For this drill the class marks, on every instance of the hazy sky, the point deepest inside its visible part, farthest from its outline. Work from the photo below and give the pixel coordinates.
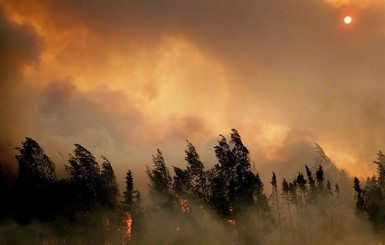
(126, 77)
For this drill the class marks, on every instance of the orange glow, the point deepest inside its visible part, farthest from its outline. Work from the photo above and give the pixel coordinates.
(128, 224)
(348, 18)
(184, 206)
(231, 221)
(235, 232)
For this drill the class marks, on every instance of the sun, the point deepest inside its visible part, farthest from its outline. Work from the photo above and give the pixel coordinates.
(348, 20)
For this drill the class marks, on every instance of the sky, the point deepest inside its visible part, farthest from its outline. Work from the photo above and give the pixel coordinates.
(125, 77)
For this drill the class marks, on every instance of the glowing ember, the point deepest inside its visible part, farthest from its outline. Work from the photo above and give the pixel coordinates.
(184, 206)
(177, 229)
(235, 234)
(231, 221)
(128, 224)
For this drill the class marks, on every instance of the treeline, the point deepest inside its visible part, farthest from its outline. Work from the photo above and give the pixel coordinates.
(226, 204)
(370, 199)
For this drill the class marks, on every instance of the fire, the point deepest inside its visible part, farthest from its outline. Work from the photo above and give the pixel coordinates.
(128, 223)
(184, 206)
(231, 222)
(235, 234)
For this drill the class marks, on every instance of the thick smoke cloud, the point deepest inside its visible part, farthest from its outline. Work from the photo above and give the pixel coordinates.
(127, 77)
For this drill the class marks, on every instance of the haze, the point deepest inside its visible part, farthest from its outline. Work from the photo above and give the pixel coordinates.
(124, 78)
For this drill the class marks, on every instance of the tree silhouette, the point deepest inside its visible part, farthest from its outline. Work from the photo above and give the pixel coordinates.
(132, 207)
(35, 177)
(380, 169)
(182, 185)
(312, 186)
(84, 173)
(160, 185)
(375, 203)
(286, 196)
(360, 201)
(35, 167)
(320, 179)
(275, 197)
(109, 191)
(197, 174)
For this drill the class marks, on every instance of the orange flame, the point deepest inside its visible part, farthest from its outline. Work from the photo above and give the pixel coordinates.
(235, 234)
(184, 206)
(128, 224)
(231, 222)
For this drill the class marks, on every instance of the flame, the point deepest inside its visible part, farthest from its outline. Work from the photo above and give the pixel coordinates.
(178, 229)
(128, 224)
(235, 234)
(184, 206)
(231, 222)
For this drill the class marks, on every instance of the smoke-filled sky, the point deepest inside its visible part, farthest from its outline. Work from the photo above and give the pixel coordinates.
(126, 77)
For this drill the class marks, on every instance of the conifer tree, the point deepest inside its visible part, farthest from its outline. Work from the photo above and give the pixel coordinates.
(276, 200)
(35, 167)
(84, 173)
(312, 186)
(320, 179)
(129, 193)
(301, 182)
(286, 196)
(359, 195)
(245, 182)
(222, 179)
(375, 203)
(182, 185)
(34, 182)
(381, 169)
(160, 185)
(109, 191)
(195, 170)
(132, 208)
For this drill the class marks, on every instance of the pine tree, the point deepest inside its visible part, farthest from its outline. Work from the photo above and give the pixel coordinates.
(375, 203)
(359, 195)
(301, 182)
(85, 176)
(218, 196)
(132, 209)
(35, 167)
(276, 201)
(261, 202)
(36, 176)
(312, 186)
(286, 196)
(320, 179)
(160, 185)
(129, 194)
(109, 191)
(381, 169)
(222, 179)
(244, 181)
(182, 185)
(195, 170)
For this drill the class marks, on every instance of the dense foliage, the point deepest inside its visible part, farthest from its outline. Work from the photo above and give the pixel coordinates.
(226, 204)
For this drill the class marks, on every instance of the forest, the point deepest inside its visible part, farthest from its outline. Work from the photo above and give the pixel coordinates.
(226, 204)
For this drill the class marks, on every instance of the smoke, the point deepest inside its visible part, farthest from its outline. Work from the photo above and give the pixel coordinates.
(131, 77)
